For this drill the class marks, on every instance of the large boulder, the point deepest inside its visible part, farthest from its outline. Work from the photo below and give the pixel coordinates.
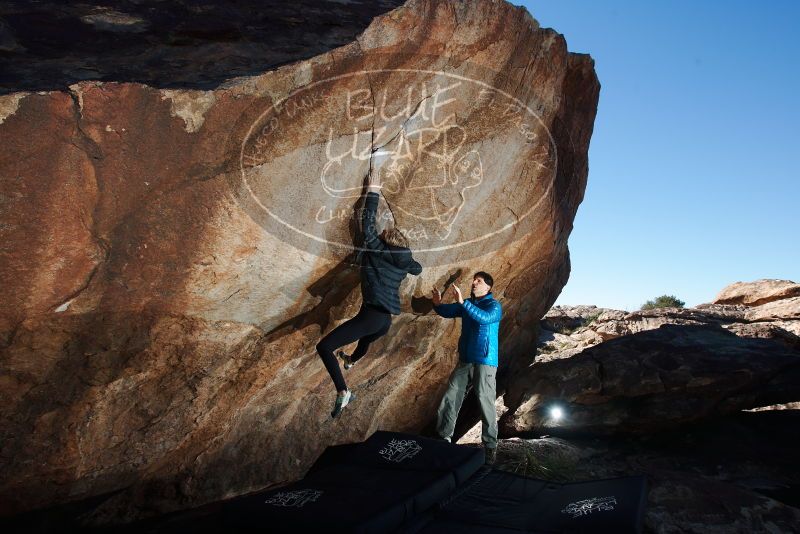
(171, 255)
(610, 326)
(757, 292)
(51, 44)
(651, 380)
(776, 310)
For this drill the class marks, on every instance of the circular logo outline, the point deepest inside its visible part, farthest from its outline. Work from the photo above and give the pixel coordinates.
(351, 247)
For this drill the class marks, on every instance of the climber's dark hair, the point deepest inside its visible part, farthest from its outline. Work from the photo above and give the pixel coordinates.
(486, 278)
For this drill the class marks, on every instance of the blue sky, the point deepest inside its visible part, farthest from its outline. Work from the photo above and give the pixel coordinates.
(693, 164)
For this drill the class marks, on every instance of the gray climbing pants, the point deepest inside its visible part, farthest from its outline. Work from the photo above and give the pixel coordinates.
(483, 381)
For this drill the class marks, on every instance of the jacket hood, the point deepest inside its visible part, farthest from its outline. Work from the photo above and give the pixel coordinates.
(401, 256)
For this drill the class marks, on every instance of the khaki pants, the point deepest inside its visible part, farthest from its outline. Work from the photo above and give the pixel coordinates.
(483, 380)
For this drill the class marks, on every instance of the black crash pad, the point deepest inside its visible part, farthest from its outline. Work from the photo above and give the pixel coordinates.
(395, 482)
(406, 452)
(503, 502)
(374, 486)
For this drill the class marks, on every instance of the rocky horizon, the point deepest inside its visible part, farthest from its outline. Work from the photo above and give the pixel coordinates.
(767, 308)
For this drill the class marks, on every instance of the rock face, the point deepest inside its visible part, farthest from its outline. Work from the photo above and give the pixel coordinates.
(758, 292)
(652, 380)
(171, 256)
(561, 318)
(50, 45)
(641, 371)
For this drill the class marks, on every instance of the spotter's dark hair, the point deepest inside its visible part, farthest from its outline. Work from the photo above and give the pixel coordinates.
(486, 277)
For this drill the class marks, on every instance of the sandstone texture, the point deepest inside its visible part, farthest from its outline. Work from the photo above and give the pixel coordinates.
(757, 292)
(651, 380)
(172, 249)
(49, 45)
(638, 372)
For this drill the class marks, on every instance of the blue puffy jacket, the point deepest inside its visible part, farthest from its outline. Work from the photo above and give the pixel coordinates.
(480, 325)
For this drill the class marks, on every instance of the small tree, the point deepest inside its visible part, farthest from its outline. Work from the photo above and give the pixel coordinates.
(664, 301)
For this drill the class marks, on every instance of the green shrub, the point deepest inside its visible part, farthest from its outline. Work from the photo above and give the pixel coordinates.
(664, 301)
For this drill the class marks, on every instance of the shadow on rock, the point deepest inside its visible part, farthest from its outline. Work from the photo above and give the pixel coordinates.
(50, 45)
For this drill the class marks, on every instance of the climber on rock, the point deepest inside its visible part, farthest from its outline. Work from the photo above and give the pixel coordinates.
(477, 349)
(385, 261)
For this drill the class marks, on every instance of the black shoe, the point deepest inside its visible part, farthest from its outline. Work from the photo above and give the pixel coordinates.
(348, 363)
